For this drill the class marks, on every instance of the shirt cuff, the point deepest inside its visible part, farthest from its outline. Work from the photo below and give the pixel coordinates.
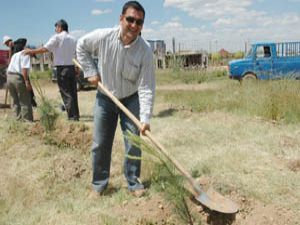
(145, 119)
(90, 73)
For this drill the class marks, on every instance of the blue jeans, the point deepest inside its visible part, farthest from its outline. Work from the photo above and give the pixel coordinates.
(106, 115)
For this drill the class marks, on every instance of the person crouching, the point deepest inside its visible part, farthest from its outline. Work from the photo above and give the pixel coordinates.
(19, 86)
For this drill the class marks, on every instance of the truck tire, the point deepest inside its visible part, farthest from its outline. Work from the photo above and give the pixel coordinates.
(249, 76)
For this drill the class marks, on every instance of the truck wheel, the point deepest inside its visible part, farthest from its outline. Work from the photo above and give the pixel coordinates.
(249, 76)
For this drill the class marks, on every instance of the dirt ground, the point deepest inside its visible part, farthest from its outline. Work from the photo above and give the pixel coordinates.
(153, 207)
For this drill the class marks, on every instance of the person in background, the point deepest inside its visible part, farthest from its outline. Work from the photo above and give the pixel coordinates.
(18, 84)
(16, 46)
(125, 62)
(63, 47)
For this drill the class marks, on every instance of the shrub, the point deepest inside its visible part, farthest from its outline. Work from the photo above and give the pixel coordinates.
(48, 114)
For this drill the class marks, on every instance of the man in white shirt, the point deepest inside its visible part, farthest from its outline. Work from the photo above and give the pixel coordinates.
(125, 63)
(63, 47)
(19, 86)
(16, 46)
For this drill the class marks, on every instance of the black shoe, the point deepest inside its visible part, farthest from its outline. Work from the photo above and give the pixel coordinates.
(62, 107)
(33, 103)
(73, 119)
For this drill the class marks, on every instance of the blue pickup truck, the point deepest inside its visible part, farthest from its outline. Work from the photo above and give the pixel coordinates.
(266, 61)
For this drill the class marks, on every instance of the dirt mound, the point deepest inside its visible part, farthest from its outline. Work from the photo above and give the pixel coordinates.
(73, 135)
(254, 212)
(35, 129)
(294, 165)
(66, 168)
(151, 210)
(288, 142)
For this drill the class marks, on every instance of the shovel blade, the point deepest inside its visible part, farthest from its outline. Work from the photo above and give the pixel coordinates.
(216, 202)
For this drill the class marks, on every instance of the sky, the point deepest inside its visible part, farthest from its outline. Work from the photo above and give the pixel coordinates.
(194, 24)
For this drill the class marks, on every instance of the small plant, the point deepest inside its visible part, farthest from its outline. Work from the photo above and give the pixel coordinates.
(46, 110)
(177, 64)
(38, 75)
(169, 181)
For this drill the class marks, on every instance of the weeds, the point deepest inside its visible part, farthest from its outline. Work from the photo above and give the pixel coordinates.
(272, 100)
(167, 179)
(179, 75)
(16, 127)
(46, 110)
(37, 75)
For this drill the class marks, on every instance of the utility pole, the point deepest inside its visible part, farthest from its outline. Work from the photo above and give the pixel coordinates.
(42, 61)
(173, 45)
(174, 57)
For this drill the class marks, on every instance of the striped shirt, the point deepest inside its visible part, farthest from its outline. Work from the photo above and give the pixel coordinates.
(124, 69)
(63, 47)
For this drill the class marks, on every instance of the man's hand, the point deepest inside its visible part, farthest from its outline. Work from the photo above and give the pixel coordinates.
(27, 51)
(94, 80)
(145, 127)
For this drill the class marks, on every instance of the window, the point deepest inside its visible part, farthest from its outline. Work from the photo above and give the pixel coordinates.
(263, 51)
(267, 51)
(259, 52)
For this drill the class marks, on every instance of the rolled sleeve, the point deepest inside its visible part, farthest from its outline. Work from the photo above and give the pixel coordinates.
(146, 88)
(87, 47)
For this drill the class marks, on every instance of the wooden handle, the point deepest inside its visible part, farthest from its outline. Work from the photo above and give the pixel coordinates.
(197, 189)
(151, 138)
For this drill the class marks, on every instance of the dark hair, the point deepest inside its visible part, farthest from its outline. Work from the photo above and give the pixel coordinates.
(133, 4)
(63, 24)
(19, 45)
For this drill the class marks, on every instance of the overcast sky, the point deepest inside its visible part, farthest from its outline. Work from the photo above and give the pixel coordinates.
(195, 24)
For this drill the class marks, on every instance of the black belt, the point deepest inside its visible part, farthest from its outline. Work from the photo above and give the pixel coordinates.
(14, 73)
(64, 66)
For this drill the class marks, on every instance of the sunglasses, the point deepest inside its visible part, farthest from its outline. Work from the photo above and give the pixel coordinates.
(131, 19)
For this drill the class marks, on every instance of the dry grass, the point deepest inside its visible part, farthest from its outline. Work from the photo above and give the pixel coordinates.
(247, 154)
(249, 159)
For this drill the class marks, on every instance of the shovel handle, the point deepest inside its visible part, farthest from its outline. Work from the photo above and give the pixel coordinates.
(196, 187)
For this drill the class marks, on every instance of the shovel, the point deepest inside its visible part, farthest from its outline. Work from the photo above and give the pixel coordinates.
(211, 199)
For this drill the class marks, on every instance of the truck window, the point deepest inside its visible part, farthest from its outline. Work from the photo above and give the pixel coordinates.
(249, 53)
(263, 52)
(267, 51)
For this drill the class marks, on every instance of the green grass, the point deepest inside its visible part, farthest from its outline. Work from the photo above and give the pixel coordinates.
(37, 75)
(188, 76)
(271, 100)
